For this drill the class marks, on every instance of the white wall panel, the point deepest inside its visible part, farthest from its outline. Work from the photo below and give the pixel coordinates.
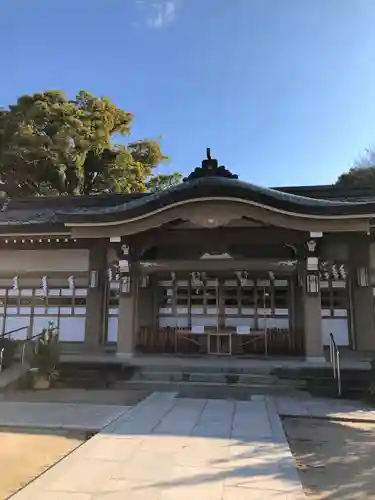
(339, 329)
(273, 323)
(14, 322)
(197, 310)
(233, 322)
(112, 329)
(212, 310)
(72, 329)
(203, 321)
(173, 322)
(250, 311)
(41, 322)
(231, 310)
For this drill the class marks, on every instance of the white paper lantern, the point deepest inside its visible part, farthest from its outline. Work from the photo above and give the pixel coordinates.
(15, 283)
(71, 282)
(44, 285)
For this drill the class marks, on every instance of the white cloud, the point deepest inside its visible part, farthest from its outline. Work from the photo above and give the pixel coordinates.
(158, 13)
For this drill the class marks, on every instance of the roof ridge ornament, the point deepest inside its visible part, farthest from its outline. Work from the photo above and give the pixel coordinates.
(210, 168)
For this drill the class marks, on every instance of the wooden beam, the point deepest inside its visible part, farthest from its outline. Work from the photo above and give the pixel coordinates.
(218, 235)
(149, 267)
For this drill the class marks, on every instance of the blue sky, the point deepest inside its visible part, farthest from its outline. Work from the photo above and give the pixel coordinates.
(283, 91)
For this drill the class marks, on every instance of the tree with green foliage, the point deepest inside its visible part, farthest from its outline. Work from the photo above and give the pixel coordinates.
(52, 145)
(159, 182)
(362, 174)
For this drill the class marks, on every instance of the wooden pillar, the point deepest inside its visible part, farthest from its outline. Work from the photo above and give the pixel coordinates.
(311, 302)
(362, 297)
(296, 314)
(128, 319)
(95, 305)
(145, 306)
(312, 323)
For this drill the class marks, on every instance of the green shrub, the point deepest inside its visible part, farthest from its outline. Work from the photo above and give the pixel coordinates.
(46, 352)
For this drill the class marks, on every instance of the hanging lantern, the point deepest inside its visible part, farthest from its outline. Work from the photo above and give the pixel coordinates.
(117, 272)
(15, 283)
(335, 272)
(71, 282)
(342, 271)
(362, 276)
(94, 278)
(44, 285)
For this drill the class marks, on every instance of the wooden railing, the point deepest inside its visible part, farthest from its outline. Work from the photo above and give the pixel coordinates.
(283, 342)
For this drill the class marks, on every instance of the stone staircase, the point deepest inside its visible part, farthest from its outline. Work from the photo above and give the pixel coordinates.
(319, 381)
(211, 381)
(198, 381)
(91, 375)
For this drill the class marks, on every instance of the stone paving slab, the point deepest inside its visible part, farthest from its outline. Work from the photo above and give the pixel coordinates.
(58, 415)
(169, 448)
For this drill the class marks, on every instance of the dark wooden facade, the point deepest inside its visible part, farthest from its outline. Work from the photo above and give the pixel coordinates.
(144, 272)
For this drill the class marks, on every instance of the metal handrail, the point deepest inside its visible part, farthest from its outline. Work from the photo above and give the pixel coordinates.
(6, 334)
(26, 342)
(13, 331)
(334, 356)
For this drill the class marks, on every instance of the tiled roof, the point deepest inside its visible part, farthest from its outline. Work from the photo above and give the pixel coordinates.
(220, 188)
(46, 210)
(331, 192)
(41, 211)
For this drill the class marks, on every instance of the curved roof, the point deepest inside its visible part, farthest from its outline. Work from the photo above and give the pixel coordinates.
(216, 188)
(45, 214)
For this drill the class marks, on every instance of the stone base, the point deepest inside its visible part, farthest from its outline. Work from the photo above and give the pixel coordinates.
(319, 360)
(92, 348)
(125, 355)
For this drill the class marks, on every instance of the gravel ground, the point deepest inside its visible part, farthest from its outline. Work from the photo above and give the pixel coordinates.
(336, 460)
(26, 454)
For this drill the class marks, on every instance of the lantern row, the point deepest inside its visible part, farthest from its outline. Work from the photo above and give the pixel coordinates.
(44, 284)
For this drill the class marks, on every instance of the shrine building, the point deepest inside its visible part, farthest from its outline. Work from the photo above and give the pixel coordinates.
(212, 266)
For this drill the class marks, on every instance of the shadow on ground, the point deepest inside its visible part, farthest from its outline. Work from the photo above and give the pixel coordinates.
(336, 460)
(77, 396)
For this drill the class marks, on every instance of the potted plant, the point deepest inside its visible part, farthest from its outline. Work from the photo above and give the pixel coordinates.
(45, 357)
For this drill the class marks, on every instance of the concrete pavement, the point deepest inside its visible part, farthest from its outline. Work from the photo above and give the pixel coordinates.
(170, 448)
(84, 417)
